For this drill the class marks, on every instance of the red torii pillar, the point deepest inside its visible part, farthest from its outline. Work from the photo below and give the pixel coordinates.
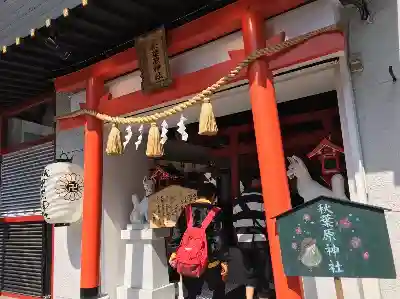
(269, 148)
(92, 194)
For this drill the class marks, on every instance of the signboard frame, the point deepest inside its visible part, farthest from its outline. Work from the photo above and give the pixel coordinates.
(153, 59)
(329, 237)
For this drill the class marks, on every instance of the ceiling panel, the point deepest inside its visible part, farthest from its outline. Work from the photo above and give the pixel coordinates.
(87, 35)
(17, 17)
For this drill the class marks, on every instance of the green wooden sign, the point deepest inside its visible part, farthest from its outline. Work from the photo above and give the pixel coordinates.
(328, 237)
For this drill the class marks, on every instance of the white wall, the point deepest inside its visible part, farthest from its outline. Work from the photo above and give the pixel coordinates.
(304, 19)
(378, 108)
(122, 176)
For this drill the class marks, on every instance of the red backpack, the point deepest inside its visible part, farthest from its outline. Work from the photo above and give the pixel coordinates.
(192, 253)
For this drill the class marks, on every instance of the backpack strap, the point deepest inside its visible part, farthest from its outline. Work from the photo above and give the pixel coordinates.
(210, 217)
(189, 216)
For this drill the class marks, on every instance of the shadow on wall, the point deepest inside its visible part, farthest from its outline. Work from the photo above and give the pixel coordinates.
(377, 105)
(74, 149)
(67, 240)
(122, 177)
(74, 236)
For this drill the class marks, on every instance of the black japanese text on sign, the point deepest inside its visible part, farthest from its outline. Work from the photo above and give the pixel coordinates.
(155, 55)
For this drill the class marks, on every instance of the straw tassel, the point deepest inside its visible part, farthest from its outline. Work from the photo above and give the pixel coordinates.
(114, 142)
(207, 122)
(154, 147)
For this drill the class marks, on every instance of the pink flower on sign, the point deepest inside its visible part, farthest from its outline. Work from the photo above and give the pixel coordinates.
(345, 223)
(355, 242)
(306, 217)
(366, 255)
(298, 230)
(294, 245)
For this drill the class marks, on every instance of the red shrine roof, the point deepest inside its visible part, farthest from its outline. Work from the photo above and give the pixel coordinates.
(325, 143)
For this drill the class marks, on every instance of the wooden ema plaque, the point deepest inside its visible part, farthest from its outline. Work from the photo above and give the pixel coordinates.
(166, 205)
(328, 237)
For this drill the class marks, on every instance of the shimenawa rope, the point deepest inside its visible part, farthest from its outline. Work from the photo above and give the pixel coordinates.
(208, 92)
(207, 123)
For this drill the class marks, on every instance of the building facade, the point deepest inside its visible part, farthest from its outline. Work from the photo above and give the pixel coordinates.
(298, 85)
(27, 145)
(377, 45)
(322, 76)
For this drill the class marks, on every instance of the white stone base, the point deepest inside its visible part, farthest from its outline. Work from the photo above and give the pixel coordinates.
(101, 296)
(165, 292)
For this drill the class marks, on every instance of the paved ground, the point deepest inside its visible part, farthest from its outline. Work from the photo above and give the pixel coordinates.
(235, 277)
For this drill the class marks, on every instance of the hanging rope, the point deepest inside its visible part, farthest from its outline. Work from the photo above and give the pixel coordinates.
(208, 92)
(207, 120)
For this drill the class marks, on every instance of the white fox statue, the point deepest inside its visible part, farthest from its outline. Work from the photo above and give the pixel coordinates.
(310, 189)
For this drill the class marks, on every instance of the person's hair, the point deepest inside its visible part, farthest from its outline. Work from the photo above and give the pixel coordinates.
(206, 190)
(249, 176)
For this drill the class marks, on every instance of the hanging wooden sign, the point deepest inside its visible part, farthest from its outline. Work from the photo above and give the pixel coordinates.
(329, 237)
(166, 205)
(153, 60)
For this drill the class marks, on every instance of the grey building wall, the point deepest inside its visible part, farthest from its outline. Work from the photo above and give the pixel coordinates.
(378, 110)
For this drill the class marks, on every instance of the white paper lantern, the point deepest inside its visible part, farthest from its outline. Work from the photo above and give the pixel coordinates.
(61, 192)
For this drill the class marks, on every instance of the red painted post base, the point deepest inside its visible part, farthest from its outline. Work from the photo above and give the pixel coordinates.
(270, 150)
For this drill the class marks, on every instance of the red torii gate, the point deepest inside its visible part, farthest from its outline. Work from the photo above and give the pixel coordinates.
(247, 15)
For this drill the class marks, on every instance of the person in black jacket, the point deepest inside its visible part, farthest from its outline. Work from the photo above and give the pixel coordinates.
(211, 283)
(252, 240)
